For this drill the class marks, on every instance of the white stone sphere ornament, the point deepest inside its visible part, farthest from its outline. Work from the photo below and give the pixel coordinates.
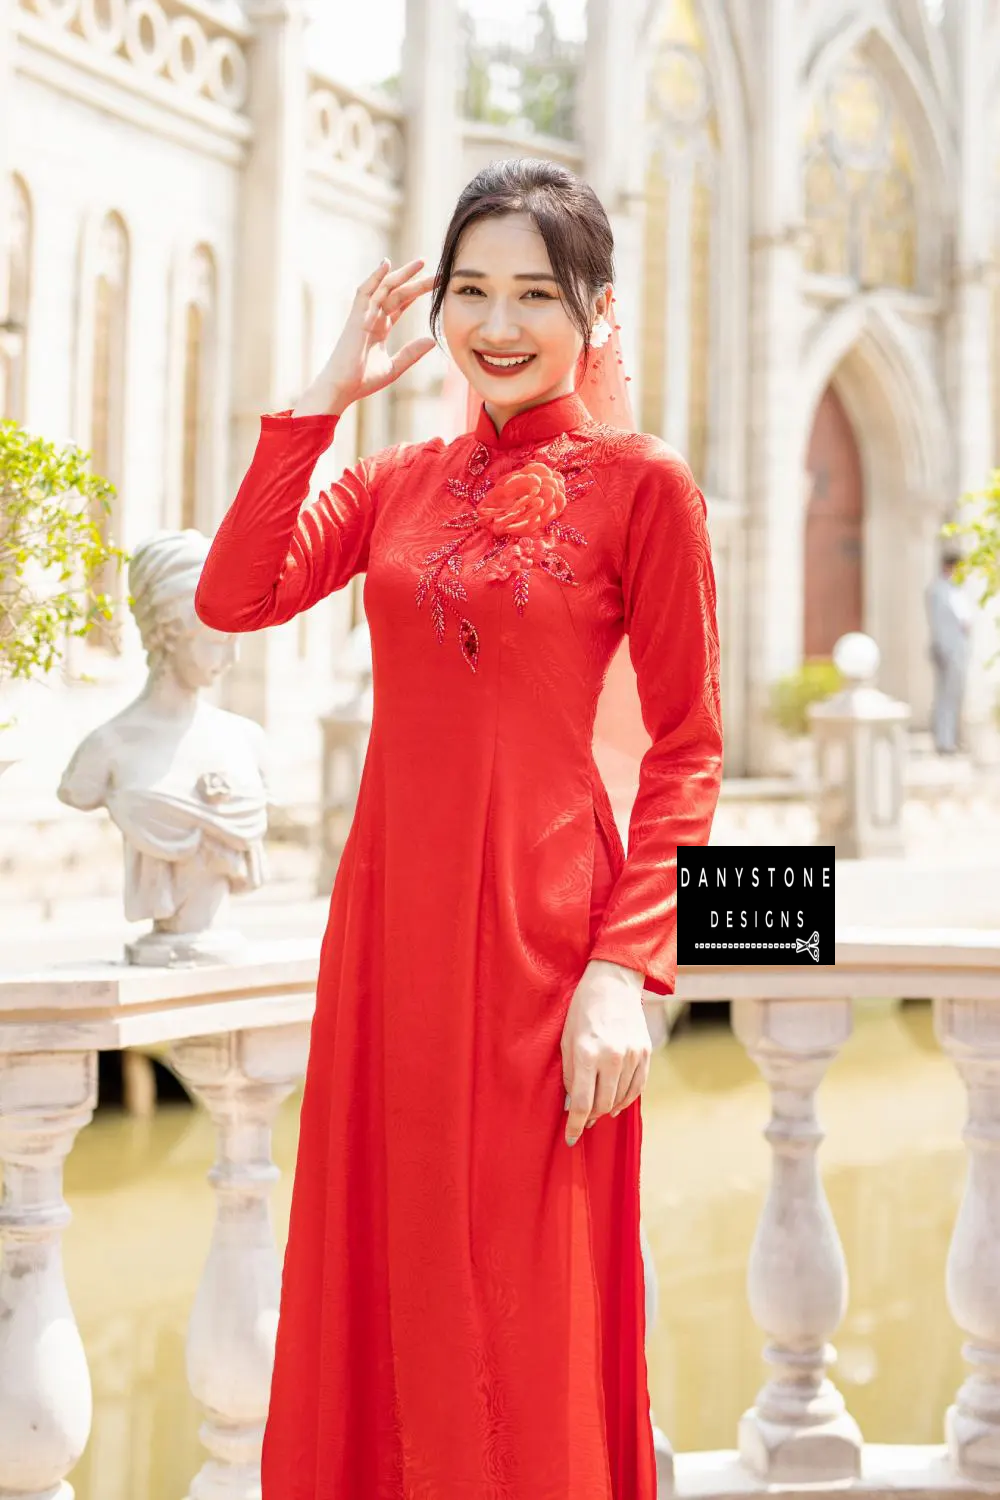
(857, 657)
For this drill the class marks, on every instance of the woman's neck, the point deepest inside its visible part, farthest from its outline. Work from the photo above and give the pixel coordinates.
(501, 415)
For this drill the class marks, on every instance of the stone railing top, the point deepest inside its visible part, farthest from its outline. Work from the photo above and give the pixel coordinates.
(106, 1005)
(109, 1005)
(961, 963)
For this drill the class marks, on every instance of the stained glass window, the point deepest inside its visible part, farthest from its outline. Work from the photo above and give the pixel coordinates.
(859, 183)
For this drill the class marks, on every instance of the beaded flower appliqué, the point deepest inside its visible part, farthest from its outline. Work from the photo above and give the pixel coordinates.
(522, 519)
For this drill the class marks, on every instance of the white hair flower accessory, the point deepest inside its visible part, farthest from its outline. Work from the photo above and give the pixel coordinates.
(600, 333)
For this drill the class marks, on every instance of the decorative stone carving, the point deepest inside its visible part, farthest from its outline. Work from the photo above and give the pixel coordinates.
(241, 1079)
(346, 132)
(45, 1394)
(182, 779)
(969, 1031)
(798, 1430)
(202, 60)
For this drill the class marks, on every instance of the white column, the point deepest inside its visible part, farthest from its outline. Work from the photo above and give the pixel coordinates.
(798, 1430)
(267, 355)
(433, 180)
(969, 1031)
(241, 1078)
(45, 1396)
(968, 335)
(774, 488)
(8, 10)
(610, 123)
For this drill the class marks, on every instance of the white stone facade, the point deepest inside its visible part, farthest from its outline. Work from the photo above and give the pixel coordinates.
(804, 194)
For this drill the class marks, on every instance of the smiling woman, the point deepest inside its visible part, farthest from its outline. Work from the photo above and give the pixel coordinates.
(462, 1308)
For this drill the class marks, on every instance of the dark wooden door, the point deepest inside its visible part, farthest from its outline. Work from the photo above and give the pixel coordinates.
(833, 560)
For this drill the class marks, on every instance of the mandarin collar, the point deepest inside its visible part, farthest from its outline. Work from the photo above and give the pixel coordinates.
(534, 425)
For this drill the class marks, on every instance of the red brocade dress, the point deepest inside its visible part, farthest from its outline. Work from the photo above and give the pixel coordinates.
(462, 1310)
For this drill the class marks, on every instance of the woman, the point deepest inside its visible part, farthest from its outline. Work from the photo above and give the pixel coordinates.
(462, 1303)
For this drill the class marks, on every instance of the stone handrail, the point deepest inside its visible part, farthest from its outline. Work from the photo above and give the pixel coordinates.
(238, 1037)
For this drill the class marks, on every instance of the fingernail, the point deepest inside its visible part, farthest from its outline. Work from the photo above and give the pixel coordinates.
(615, 1113)
(571, 1140)
(566, 1105)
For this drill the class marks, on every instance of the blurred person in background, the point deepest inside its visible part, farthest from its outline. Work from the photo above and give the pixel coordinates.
(949, 612)
(462, 1301)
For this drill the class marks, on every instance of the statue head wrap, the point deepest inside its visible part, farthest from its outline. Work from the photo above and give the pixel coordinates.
(163, 575)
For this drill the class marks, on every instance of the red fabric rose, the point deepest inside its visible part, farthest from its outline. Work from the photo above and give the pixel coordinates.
(524, 502)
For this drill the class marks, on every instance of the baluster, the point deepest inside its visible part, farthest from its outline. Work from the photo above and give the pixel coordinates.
(45, 1397)
(799, 1429)
(969, 1031)
(242, 1079)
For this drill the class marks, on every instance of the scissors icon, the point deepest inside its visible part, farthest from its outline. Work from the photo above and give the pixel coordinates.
(809, 945)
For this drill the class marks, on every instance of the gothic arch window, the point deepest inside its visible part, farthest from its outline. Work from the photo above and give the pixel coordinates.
(859, 182)
(199, 332)
(107, 386)
(680, 235)
(16, 307)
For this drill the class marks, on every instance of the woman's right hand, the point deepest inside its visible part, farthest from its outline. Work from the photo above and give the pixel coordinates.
(360, 362)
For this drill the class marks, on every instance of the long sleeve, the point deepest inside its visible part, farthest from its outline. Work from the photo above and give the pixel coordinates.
(270, 558)
(669, 593)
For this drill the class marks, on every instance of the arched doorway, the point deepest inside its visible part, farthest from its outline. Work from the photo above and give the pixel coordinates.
(833, 576)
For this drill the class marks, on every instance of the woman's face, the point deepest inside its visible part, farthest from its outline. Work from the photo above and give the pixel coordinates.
(503, 304)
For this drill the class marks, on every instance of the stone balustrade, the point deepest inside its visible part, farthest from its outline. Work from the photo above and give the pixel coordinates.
(197, 49)
(238, 1037)
(352, 135)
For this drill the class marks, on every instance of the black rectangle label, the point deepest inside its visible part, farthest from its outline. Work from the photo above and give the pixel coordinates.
(755, 905)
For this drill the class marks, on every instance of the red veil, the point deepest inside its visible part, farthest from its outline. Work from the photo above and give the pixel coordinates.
(620, 738)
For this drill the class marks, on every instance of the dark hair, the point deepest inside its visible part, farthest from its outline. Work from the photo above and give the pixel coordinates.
(570, 218)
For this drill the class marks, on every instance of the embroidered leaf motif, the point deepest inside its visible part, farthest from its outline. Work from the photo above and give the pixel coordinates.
(423, 587)
(439, 552)
(437, 617)
(556, 564)
(467, 519)
(521, 581)
(566, 533)
(455, 562)
(453, 588)
(490, 554)
(468, 640)
(473, 493)
(478, 459)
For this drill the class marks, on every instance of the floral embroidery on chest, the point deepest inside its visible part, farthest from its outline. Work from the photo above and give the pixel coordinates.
(521, 523)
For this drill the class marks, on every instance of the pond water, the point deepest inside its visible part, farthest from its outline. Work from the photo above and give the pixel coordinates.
(892, 1107)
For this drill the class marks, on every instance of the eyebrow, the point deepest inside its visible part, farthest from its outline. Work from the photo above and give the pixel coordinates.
(520, 275)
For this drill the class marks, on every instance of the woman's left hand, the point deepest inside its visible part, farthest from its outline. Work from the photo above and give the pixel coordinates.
(605, 1045)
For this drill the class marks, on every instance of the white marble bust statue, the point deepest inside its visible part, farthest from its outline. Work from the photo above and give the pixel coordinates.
(182, 779)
